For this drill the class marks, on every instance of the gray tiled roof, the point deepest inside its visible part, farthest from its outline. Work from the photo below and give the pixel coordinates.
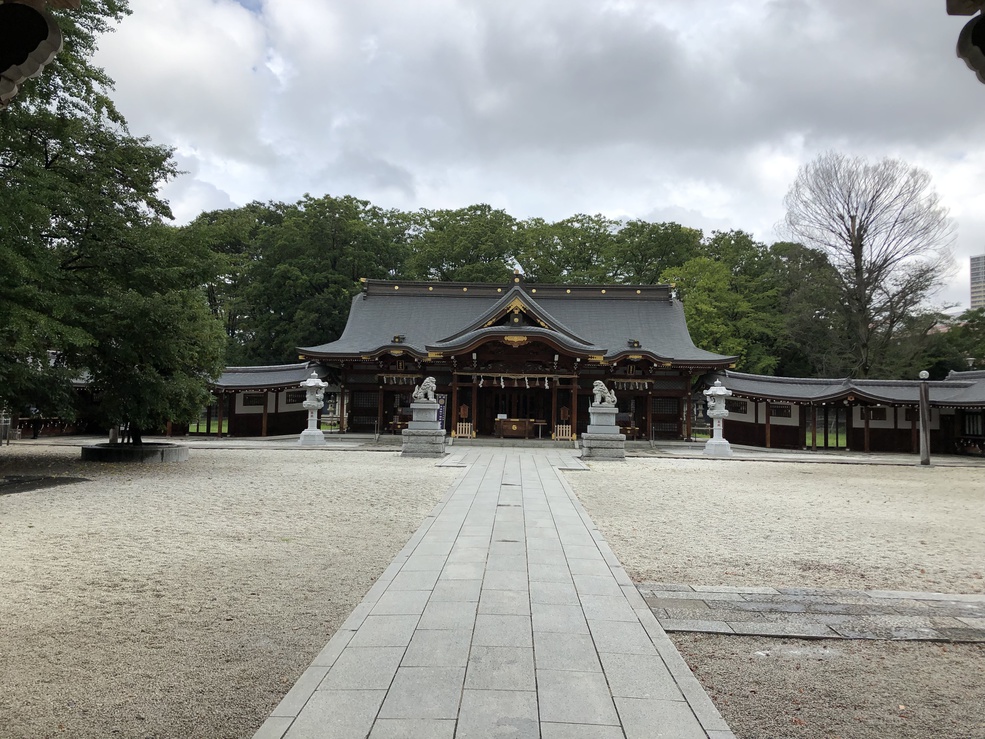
(959, 389)
(268, 377)
(589, 320)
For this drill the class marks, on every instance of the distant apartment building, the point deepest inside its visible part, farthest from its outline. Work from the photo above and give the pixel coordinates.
(978, 282)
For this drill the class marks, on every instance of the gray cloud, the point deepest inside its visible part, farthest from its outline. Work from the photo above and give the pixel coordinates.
(703, 109)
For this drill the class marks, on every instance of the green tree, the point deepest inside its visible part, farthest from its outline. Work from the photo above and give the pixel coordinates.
(80, 203)
(576, 250)
(472, 244)
(299, 281)
(641, 251)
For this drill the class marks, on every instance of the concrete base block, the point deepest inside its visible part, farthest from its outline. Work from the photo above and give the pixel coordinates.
(423, 443)
(603, 446)
(312, 437)
(718, 448)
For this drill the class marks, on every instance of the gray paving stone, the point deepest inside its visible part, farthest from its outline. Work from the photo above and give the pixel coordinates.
(595, 585)
(639, 676)
(505, 581)
(467, 554)
(363, 668)
(488, 714)
(553, 592)
(401, 602)
(433, 547)
(445, 648)
(673, 604)
(274, 727)
(656, 719)
(506, 563)
(773, 629)
(549, 573)
(579, 731)
(545, 540)
(385, 631)
(462, 571)
(292, 703)
(448, 615)
(697, 625)
(547, 557)
(331, 651)
(562, 619)
(423, 580)
(571, 652)
(423, 562)
(500, 668)
(502, 631)
(505, 602)
(607, 608)
(409, 728)
(456, 590)
(337, 714)
(742, 589)
(710, 598)
(589, 567)
(649, 587)
(575, 697)
(975, 623)
(424, 692)
(621, 637)
(507, 549)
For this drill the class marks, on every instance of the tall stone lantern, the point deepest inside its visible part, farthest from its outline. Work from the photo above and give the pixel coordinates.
(717, 446)
(315, 395)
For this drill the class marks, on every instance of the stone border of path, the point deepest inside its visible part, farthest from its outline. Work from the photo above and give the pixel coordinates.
(813, 613)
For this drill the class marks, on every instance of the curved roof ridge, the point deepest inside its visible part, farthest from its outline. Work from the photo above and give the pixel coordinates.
(502, 305)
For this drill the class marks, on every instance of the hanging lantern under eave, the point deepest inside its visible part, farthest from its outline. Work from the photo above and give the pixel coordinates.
(29, 40)
(971, 46)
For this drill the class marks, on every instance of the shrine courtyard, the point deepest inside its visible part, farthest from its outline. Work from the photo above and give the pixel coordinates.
(187, 600)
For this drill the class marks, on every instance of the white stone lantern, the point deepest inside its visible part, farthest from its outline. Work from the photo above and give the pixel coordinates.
(314, 396)
(717, 446)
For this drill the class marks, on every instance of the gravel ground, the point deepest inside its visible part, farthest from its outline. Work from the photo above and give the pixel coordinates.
(703, 522)
(184, 600)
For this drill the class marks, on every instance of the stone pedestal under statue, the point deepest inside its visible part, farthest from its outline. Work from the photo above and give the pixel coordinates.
(603, 440)
(423, 436)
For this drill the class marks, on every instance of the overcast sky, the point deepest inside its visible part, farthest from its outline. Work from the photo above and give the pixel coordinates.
(695, 111)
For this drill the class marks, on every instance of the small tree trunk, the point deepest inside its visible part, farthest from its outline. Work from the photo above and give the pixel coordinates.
(135, 437)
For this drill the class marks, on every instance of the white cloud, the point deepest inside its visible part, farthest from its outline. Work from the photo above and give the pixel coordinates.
(699, 111)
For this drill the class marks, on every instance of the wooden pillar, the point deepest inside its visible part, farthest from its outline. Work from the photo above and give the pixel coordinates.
(379, 411)
(688, 409)
(766, 416)
(813, 427)
(895, 428)
(218, 430)
(649, 414)
(914, 433)
(865, 434)
(342, 409)
(454, 406)
(755, 419)
(263, 423)
(553, 425)
(574, 408)
(825, 426)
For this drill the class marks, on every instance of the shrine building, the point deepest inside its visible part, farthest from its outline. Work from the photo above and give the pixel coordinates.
(516, 359)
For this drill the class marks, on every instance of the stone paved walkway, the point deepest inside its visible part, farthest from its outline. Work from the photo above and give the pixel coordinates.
(816, 613)
(506, 615)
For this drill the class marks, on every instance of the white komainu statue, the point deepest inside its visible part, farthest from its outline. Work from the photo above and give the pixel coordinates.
(603, 396)
(425, 391)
